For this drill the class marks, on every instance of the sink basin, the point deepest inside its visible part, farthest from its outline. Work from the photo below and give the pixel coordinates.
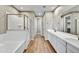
(71, 38)
(1, 44)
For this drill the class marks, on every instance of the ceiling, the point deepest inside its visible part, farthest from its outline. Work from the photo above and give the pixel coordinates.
(37, 9)
(65, 9)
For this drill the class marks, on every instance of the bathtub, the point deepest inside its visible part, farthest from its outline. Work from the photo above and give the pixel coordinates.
(14, 41)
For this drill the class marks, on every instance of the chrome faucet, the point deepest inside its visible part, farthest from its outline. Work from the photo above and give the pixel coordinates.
(54, 29)
(78, 37)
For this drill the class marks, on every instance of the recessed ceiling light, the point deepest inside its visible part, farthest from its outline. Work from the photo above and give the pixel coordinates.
(52, 7)
(21, 7)
(39, 13)
(7, 12)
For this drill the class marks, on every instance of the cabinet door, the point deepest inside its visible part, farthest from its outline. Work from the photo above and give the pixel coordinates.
(60, 45)
(72, 49)
(52, 39)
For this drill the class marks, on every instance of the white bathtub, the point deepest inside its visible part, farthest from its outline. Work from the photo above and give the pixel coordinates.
(13, 41)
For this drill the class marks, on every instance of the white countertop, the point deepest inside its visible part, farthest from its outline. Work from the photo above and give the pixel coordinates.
(69, 38)
(11, 41)
(9, 47)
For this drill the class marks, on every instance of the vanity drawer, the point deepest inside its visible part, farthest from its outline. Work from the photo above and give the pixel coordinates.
(60, 47)
(69, 51)
(61, 41)
(72, 49)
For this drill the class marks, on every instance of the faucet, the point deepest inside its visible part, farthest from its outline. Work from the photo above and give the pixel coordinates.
(54, 29)
(78, 37)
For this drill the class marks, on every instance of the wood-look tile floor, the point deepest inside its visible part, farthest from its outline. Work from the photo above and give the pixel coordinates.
(39, 45)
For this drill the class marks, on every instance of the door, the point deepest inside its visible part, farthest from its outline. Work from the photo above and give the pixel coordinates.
(75, 26)
(26, 23)
(39, 25)
(78, 27)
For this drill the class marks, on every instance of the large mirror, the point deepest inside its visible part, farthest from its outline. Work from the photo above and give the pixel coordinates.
(71, 23)
(15, 22)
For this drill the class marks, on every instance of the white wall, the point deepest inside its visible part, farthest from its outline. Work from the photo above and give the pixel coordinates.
(3, 11)
(44, 26)
(48, 21)
(57, 22)
(31, 20)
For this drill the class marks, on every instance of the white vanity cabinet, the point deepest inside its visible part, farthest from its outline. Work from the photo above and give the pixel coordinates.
(62, 43)
(72, 49)
(52, 39)
(58, 44)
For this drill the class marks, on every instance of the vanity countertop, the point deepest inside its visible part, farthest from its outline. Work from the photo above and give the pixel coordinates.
(12, 41)
(69, 38)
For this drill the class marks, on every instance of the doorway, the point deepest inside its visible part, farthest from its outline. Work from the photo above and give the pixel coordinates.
(39, 25)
